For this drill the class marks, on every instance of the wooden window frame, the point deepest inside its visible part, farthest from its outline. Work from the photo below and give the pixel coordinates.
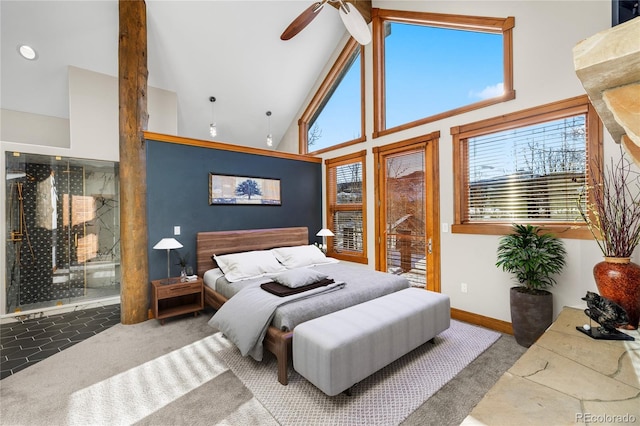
(332, 206)
(523, 118)
(326, 90)
(502, 26)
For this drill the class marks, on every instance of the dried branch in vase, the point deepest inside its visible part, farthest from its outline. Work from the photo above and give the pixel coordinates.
(612, 214)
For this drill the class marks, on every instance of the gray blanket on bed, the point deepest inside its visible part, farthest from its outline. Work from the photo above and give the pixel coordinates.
(245, 317)
(362, 284)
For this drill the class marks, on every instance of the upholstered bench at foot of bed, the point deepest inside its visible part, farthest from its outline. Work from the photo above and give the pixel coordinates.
(338, 350)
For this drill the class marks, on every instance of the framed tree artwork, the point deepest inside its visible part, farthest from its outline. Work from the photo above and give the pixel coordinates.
(229, 189)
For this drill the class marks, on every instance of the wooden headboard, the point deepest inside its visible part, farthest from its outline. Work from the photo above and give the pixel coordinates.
(224, 242)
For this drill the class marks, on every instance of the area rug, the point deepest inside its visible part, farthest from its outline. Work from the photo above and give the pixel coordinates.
(385, 398)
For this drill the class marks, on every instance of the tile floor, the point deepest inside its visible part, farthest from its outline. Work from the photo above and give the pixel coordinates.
(24, 343)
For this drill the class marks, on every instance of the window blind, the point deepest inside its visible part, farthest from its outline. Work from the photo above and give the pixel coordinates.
(345, 184)
(533, 173)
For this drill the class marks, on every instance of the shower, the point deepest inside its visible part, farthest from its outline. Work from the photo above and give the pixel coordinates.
(63, 231)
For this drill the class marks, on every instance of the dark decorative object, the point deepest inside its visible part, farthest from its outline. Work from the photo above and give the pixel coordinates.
(613, 217)
(533, 257)
(606, 313)
(623, 11)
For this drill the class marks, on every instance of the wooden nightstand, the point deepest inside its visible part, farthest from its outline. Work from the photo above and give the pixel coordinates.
(176, 298)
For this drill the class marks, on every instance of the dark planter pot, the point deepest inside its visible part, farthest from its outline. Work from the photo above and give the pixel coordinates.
(531, 314)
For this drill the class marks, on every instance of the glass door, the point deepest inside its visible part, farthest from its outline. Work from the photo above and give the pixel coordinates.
(404, 215)
(63, 231)
(407, 214)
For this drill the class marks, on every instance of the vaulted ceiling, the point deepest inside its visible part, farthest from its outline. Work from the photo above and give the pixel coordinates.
(197, 49)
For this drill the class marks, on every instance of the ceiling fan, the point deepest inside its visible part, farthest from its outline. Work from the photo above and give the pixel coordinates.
(351, 13)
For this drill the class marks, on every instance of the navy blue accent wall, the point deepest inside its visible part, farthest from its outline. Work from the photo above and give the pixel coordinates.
(178, 195)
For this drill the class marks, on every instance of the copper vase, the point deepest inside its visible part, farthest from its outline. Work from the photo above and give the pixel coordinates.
(618, 279)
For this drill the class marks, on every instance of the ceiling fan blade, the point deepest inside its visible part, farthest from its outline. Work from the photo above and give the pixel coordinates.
(363, 6)
(355, 23)
(302, 20)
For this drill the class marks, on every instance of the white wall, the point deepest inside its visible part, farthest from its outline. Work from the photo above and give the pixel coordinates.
(93, 113)
(92, 127)
(544, 35)
(33, 129)
(91, 131)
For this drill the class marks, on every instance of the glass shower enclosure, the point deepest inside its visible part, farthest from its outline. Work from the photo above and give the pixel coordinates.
(63, 231)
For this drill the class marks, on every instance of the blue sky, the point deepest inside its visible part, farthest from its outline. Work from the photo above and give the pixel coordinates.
(428, 70)
(340, 118)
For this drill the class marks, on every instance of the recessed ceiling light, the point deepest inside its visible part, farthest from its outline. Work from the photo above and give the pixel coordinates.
(27, 52)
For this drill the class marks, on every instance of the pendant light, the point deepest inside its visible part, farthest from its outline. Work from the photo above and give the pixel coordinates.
(269, 135)
(213, 129)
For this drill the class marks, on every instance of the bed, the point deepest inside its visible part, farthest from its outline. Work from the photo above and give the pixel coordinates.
(279, 334)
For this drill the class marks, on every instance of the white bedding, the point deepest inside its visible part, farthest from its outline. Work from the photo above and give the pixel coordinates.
(361, 284)
(211, 276)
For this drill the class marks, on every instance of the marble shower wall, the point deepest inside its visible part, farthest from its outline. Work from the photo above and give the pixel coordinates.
(63, 223)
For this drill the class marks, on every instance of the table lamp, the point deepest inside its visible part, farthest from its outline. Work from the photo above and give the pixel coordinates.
(324, 233)
(167, 244)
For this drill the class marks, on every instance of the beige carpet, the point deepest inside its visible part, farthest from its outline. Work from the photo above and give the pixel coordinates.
(146, 373)
(177, 374)
(385, 398)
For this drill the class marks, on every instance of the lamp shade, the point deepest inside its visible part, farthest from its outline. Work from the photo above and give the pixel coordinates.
(324, 232)
(167, 244)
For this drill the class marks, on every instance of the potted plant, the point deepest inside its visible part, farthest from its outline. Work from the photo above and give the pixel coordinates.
(533, 257)
(183, 261)
(612, 214)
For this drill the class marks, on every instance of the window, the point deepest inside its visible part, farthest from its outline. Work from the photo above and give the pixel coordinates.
(335, 115)
(526, 167)
(429, 66)
(346, 201)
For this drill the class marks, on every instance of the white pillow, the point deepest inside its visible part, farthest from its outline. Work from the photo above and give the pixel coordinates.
(298, 277)
(249, 264)
(300, 256)
(211, 277)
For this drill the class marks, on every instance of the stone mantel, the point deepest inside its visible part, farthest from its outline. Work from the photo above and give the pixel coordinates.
(608, 65)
